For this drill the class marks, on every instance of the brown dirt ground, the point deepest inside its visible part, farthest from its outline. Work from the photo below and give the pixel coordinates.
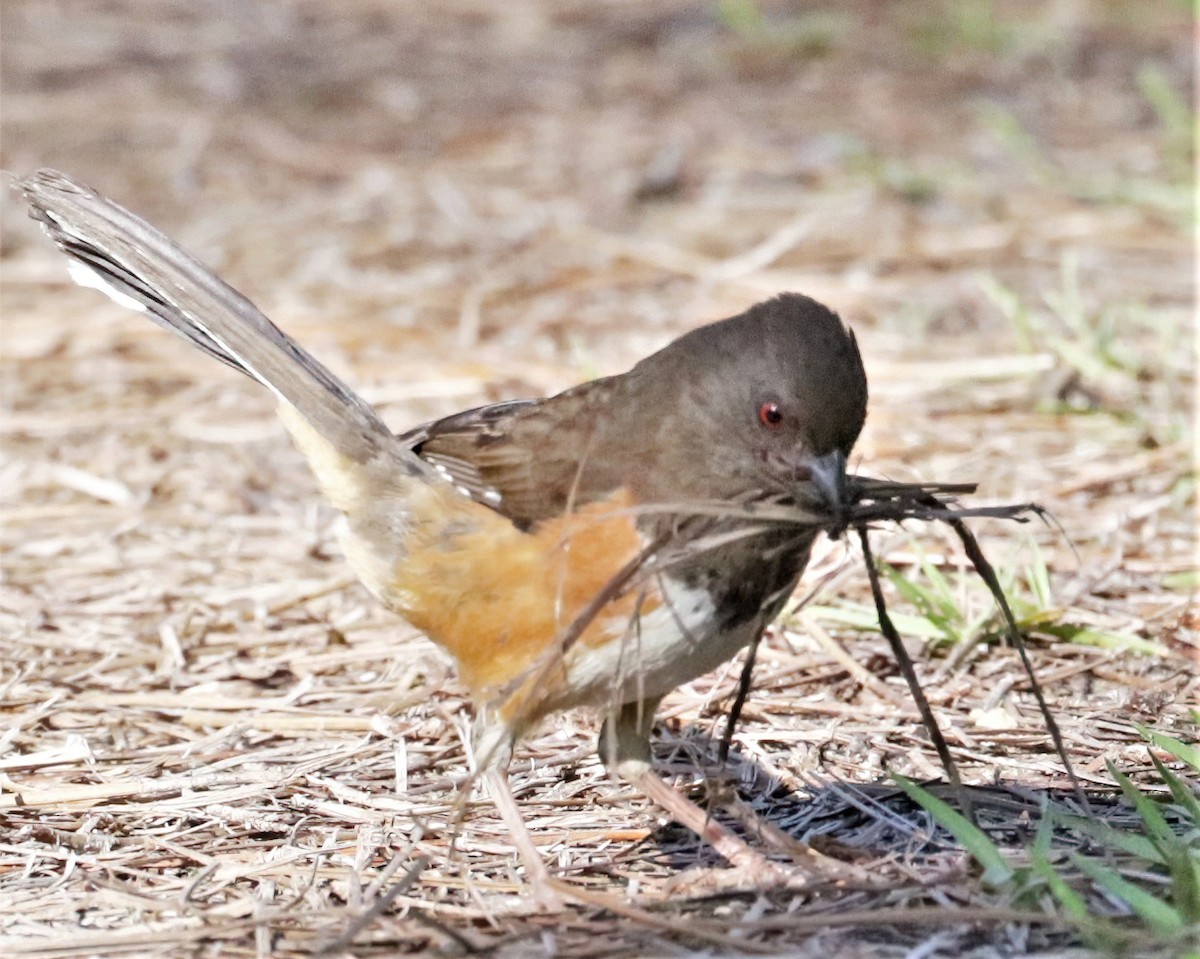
(214, 742)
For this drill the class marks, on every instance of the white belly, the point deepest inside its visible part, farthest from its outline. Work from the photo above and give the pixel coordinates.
(660, 650)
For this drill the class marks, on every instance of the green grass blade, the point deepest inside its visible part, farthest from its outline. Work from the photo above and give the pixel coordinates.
(1156, 825)
(942, 591)
(996, 869)
(1184, 752)
(1110, 837)
(865, 618)
(1103, 639)
(922, 598)
(1071, 902)
(1180, 793)
(1037, 575)
(1159, 915)
(1182, 860)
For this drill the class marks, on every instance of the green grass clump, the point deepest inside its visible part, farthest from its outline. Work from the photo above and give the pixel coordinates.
(1121, 888)
(957, 610)
(1125, 359)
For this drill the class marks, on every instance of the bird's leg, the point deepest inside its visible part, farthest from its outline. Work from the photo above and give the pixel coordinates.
(625, 750)
(493, 758)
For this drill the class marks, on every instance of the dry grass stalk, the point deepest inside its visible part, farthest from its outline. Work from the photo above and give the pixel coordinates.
(362, 194)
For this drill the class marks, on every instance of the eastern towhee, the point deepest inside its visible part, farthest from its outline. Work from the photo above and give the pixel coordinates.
(594, 548)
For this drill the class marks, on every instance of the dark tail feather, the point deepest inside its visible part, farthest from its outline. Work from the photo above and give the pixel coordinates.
(121, 254)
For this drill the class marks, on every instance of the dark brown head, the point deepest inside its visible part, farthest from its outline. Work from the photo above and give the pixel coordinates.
(771, 400)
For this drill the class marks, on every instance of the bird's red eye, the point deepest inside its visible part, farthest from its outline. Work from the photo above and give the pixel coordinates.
(770, 415)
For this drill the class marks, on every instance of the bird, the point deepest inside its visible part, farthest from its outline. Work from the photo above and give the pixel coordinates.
(595, 548)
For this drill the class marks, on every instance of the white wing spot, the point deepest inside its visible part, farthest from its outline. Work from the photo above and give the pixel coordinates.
(86, 276)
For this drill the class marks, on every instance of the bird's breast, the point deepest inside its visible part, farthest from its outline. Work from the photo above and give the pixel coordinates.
(565, 614)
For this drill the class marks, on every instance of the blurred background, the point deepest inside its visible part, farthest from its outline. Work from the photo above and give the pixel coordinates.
(462, 201)
(574, 182)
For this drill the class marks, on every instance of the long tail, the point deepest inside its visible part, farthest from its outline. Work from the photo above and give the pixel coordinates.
(139, 267)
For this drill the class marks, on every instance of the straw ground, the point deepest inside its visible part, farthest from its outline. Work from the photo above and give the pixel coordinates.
(215, 743)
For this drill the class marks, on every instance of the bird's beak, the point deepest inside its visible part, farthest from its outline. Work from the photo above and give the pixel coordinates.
(829, 477)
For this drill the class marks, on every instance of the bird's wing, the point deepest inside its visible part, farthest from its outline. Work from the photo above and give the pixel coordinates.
(529, 460)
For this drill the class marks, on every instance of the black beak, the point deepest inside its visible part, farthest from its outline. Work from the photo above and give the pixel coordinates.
(829, 477)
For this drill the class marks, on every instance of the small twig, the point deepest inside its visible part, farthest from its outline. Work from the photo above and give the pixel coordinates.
(988, 575)
(743, 691)
(857, 671)
(904, 661)
(377, 908)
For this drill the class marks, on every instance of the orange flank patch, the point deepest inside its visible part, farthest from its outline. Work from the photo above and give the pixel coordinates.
(499, 600)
